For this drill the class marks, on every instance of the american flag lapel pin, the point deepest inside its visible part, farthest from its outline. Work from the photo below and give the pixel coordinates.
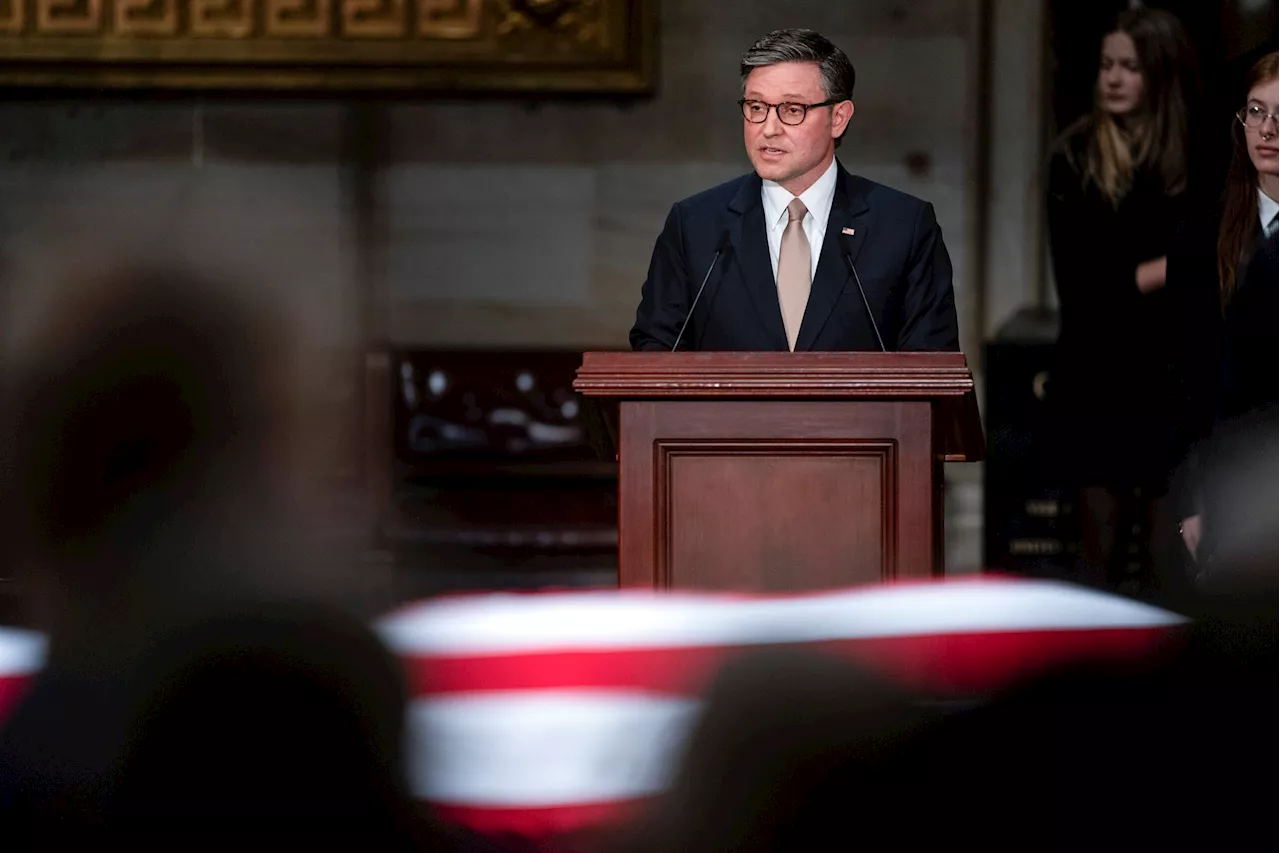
(848, 231)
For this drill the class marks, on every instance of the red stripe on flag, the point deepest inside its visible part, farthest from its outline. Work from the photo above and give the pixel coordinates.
(546, 823)
(12, 688)
(980, 663)
(960, 663)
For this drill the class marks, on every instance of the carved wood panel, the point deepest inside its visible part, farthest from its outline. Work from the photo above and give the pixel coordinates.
(426, 45)
(747, 512)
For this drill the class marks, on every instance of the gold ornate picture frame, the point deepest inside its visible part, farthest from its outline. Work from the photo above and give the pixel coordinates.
(587, 46)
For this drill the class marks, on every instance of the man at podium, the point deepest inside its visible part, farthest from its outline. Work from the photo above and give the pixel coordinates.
(799, 255)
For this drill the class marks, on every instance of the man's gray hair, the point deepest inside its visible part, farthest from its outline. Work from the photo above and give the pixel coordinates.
(803, 46)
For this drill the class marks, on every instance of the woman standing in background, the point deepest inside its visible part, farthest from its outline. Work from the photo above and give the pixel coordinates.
(1117, 189)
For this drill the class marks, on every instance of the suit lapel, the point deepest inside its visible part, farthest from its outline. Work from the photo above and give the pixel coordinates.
(751, 248)
(848, 211)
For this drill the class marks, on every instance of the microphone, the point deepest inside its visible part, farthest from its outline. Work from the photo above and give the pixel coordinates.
(721, 245)
(848, 256)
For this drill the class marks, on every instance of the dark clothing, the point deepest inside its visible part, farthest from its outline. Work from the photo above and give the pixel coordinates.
(895, 243)
(1192, 286)
(1226, 360)
(1115, 392)
(1230, 477)
(1112, 521)
(1112, 389)
(1251, 336)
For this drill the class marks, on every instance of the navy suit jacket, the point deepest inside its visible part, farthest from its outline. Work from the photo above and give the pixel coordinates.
(896, 246)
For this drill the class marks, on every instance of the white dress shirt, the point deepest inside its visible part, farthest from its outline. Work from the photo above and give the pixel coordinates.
(817, 201)
(1267, 209)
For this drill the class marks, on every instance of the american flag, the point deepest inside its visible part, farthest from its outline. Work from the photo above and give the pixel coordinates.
(539, 714)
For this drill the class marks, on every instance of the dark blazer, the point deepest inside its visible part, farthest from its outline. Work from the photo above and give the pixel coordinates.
(1230, 478)
(1226, 364)
(896, 246)
(1249, 376)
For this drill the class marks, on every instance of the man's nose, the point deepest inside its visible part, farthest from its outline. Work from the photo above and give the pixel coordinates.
(772, 124)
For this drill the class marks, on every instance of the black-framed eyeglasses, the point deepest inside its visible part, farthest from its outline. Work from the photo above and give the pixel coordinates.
(790, 113)
(1254, 116)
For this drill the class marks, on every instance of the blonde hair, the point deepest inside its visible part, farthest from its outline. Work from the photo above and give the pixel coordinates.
(1114, 155)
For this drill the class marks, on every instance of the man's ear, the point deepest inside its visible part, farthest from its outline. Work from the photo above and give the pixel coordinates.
(841, 114)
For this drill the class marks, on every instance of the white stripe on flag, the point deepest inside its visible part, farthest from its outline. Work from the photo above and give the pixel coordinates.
(545, 748)
(493, 624)
(21, 651)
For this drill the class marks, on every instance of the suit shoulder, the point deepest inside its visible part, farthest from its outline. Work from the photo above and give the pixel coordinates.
(884, 197)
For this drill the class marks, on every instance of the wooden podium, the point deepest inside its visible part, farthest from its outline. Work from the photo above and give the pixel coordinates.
(782, 471)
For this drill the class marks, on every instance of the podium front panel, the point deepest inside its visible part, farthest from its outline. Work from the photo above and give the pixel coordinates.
(774, 496)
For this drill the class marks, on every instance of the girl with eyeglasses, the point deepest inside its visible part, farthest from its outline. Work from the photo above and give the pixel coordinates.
(1117, 187)
(1224, 276)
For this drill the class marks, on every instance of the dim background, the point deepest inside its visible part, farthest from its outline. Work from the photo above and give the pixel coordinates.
(484, 242)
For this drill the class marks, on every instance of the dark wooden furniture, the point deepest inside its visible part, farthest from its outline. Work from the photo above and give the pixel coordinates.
(1030, 519)
(782, 471)
(482, 459)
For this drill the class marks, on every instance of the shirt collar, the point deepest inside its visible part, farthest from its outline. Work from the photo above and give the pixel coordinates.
(817, 199)
(1267, 208)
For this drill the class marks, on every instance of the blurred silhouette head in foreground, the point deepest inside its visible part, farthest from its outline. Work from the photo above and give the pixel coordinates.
(150, 451)
(150, 430)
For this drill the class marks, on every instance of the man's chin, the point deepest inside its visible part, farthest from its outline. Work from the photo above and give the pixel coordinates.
(775, 172)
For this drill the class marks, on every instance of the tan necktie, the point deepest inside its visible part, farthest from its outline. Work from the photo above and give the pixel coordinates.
(793, 271)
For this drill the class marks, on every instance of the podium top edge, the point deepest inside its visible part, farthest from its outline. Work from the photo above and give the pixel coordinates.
(775, 374)
(622, 359)
(942, 379)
